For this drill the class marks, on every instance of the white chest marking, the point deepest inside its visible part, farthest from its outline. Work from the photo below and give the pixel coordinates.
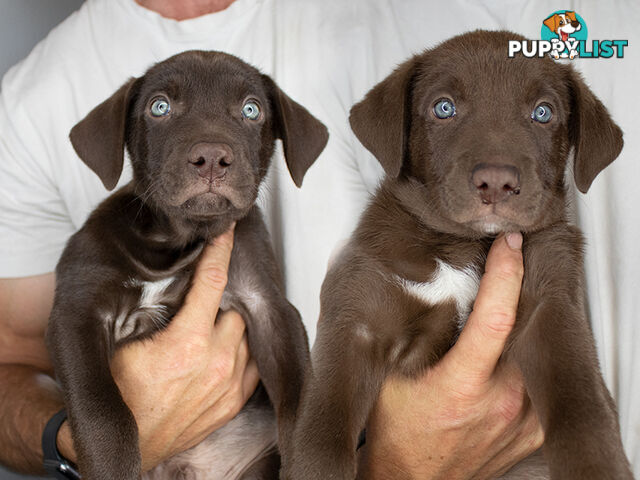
(447, 283)
(152, 292)
(150, 303)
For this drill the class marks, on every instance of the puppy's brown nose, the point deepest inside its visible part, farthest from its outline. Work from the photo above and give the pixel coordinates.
(495, 183)
(211, 159)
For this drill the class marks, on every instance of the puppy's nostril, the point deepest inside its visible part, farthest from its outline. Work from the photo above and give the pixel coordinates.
(510, 189)
(484, 186)
(211, 160)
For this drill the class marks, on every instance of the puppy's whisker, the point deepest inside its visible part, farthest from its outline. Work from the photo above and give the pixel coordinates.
(145, 196)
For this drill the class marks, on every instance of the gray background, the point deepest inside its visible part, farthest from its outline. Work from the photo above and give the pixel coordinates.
(23, 23)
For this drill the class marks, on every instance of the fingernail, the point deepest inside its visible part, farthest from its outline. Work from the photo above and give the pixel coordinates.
(514, 240)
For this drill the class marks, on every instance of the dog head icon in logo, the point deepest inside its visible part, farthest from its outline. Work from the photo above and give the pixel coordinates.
(563, 24)
(564, 29)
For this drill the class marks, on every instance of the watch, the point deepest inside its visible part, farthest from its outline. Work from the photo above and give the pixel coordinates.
(55, 464)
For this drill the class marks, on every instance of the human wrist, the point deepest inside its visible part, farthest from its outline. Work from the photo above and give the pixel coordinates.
(64, 442)
(54, 463)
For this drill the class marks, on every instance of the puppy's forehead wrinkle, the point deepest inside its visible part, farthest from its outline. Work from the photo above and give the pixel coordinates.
(431, 83)
(477, 76)
(215, 75)
(543, 88)
(216, 89)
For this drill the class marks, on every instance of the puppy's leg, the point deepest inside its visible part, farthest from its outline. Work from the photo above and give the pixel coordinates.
(105, 434)
(276, 334)
(279, 346)
(337, 399)
(556, 353)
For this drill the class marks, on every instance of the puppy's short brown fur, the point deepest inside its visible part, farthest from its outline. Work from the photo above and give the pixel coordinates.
(396, 297)
(200, 129)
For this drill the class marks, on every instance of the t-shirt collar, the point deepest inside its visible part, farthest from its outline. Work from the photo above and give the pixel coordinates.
(193, 28)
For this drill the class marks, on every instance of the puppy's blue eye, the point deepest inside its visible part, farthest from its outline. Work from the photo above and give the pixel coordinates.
(542, 113)
(444, 108)
(160, 107)
(251, 110)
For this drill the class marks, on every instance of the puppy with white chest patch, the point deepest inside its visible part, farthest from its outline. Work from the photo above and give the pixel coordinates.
(473, 143)
(200, 129)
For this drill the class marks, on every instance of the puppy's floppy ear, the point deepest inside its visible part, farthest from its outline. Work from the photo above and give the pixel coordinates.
(571, 15)
(99, 138)
(596, 139)
(381, 120)
(303, 135)
(552, 22)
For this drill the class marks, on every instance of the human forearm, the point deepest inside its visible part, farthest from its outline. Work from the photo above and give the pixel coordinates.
(28, 399)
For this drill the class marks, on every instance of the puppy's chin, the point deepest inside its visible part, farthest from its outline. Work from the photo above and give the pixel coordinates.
(205, 201)
(206, 205)
(492, 225)
(479, 223)
(469, 217)
(510, 215)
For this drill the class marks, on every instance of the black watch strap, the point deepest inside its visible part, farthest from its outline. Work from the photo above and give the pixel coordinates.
(55, 464)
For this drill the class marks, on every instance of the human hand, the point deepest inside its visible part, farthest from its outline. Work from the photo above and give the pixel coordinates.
(194, 376)
(468, 417)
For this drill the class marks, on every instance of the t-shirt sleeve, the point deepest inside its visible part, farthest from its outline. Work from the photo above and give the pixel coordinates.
(34, 222)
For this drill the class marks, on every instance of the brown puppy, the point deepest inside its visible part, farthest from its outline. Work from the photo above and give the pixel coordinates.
(200, 129)
(473, 143)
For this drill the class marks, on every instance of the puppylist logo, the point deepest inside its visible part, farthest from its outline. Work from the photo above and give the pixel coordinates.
(564, 35)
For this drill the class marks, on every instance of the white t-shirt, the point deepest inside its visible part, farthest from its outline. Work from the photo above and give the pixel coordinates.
(326, 55)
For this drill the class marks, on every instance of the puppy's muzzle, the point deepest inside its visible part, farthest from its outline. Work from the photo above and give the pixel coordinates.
(495, 183)
(211, 160)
